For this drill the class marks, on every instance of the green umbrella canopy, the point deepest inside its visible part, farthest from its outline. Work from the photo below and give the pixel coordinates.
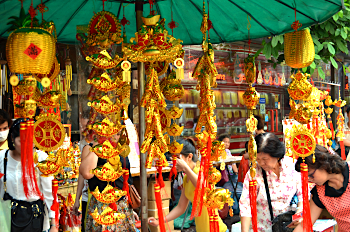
(229, 17)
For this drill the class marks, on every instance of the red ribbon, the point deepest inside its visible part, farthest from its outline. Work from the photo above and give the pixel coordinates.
(126, 185)
(159, 207)
(55, 205)
(307, 224)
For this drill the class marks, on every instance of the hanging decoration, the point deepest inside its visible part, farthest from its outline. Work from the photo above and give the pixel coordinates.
(251, 98)
(340, 124)
(259, 79)
(206, 194)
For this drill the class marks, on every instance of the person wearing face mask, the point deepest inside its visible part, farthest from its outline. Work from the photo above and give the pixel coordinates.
(25, 196)
(187, 163)
(277, 170)
(5, 124)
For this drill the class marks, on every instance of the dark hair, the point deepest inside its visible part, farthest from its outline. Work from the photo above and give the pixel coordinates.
(224, 136)
(188, 148)
(348, 110)
(260, 122)
(5, 117)
(14, 133)
(85, 114)
(246, 146)
(270, 144)
(324, 160)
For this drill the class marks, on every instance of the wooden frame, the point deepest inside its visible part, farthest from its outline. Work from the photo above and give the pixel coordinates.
(68, 129)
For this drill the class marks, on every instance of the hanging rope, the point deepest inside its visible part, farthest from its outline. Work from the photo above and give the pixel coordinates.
(172, 23)
(210, 24)
(32, 13)
(103, 4)
(42, 9)
(248, 27)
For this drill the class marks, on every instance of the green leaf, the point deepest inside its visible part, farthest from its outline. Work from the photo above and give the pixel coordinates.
(337, 32)
(274, 52)
(331, 29)
(335, 17)
(343, 33)
(328, 25)
(313, 65)
(334, 63)
(274, 41)
(304, 69)
(258, 52)
(340, 14)
(331, 48)
(281, 38)
(341, 46)
(274, 65)
(312, 71)
(317, 57)
(321, 73)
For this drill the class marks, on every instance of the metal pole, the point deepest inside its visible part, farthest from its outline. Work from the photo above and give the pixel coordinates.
(141, 84)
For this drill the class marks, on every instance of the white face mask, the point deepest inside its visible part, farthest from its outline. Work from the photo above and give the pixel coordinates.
(3, 135)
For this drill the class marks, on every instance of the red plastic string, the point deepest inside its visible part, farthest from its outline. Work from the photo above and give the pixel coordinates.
(276, 121)
(159, 207)
(331, 126)
(252, 198)
(103, 4)
(160, 176)
(23, 137)
(307, 224)
(173, 171)
(272, 121)
(126, 185)
(55, 205)
(342, 147)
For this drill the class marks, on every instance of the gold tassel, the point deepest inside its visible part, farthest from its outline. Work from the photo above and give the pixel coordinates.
(179, 64)
(68, 64)
(126, 65)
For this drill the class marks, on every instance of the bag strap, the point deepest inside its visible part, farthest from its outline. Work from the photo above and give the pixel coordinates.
(267, 193)
(5, 167)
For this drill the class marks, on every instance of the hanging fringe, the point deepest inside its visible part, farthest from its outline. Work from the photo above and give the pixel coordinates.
(159, 207)
(307, 224)
(55, 205)
(331, 126)
(342, 147)
(252, 197)
(126, 184)
(160, 175)
(173, 171)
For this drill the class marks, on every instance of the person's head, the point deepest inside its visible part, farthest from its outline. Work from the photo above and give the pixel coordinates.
(260, 125)
(226, 140)
(270, 150)
(325, 165)
(14, 140)
(84, 120)
(5, 124)
(348, 112)
(188, 152)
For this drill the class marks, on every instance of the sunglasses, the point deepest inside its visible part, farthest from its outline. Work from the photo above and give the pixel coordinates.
(311, 176)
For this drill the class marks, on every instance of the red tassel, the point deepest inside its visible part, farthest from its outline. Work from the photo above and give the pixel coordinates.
(63, 215)
(331, 126)
(307, 224)
(55, 206)
(272, 121)
(252, 197)
(23, 137)
(160, 175)
(113, 206)
(276, 121)
(216, 221)
(126, 184)
(30, 157)
(342, 147)
(173, 171)
(159, 207)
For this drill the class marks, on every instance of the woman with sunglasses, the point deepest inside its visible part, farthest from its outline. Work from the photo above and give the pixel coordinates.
(187, 163)
(332, 191)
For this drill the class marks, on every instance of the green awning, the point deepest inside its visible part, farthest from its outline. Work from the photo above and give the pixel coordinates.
(229, 17)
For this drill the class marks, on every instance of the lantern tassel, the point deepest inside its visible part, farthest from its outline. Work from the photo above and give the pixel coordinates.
(159, 207)
(252, 197)
(307, 224)
(126, 185)
(331, 126)
(342, 147)
(55, 205)
(160, 176)
(173, 171)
